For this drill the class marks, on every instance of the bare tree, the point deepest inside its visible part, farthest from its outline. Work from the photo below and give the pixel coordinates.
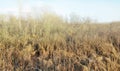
(20, 12)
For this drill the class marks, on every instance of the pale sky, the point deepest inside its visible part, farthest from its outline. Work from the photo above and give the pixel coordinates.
(101, 10)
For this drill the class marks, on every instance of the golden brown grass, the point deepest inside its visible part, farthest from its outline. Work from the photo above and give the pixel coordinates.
(50, 43)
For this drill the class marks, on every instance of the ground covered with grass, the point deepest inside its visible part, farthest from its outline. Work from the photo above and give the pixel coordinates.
(53, 44)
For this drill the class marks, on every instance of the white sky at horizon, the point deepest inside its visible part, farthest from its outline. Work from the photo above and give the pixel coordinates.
(102, 10)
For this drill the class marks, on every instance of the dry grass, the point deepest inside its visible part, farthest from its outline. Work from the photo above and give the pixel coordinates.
(50, 43)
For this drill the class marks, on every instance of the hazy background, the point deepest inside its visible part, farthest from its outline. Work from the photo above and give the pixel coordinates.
(100, 10)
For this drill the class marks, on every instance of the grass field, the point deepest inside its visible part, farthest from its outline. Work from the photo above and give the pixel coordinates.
(51, 43)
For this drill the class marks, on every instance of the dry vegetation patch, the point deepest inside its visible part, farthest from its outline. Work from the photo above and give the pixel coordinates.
(52, 44)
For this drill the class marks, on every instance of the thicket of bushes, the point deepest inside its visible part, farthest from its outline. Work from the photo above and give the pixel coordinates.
(50, 43)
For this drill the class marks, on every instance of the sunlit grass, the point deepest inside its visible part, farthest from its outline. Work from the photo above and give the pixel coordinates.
(49, 43)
